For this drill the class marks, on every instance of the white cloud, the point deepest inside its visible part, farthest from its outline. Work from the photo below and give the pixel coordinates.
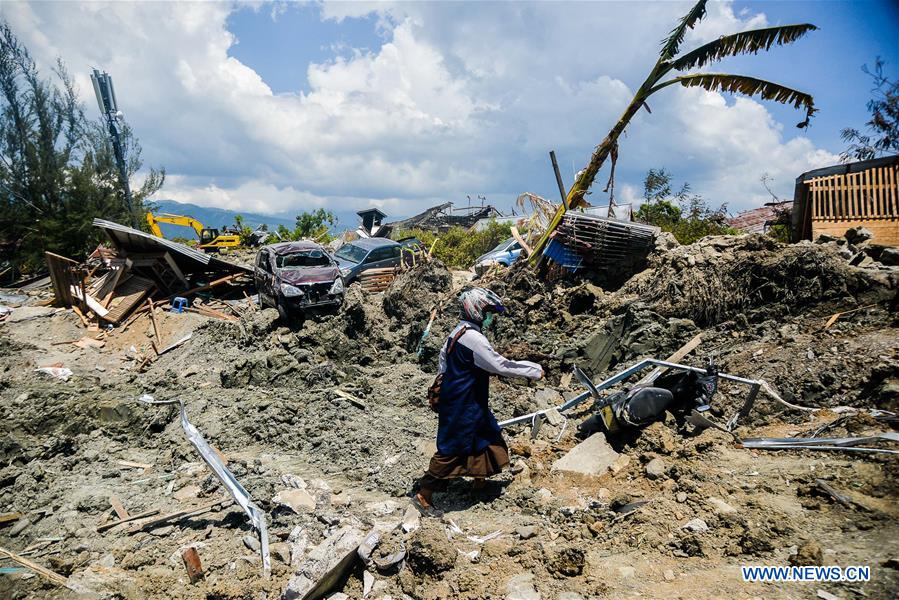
(457, 100)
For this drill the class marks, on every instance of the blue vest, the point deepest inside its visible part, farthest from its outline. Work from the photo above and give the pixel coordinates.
(466, 426)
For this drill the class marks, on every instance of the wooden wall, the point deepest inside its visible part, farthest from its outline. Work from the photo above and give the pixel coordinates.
(868, 198)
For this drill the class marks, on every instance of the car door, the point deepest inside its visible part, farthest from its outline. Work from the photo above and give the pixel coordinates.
(374, 259)
(263, 276)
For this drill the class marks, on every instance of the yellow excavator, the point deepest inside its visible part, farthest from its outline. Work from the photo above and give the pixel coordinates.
(210, 239)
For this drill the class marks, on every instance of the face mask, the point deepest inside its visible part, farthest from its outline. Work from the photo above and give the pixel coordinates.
(488, 321)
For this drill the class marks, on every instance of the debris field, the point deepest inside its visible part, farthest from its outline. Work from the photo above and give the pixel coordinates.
(325, 426)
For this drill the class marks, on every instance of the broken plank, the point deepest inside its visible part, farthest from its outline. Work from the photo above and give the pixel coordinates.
(179, 514)
(155, 325)
(520, 240)
(834, 493)
(119, 509)
(209, 285)
(9, 517)
(42, 571)
(131, 518)
(136, 465)
(350, 397)
(174, 345)
(678, 356)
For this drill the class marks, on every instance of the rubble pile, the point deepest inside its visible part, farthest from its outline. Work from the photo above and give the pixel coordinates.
(326, 426)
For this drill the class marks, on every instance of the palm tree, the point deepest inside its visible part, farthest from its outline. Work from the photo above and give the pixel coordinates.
(746, 42)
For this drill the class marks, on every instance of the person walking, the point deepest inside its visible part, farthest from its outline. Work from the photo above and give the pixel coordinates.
(469, 441)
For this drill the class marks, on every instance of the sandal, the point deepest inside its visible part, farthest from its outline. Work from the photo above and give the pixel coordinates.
(426, 511)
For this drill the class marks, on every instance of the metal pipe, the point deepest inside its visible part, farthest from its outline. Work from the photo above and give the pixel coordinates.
(552, 156)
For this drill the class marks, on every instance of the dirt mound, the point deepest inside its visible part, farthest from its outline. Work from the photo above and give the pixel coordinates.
(720, 277)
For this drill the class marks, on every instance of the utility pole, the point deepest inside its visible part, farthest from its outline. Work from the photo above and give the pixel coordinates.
(109, 108)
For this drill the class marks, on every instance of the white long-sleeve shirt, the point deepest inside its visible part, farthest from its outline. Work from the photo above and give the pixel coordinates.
(485, 357)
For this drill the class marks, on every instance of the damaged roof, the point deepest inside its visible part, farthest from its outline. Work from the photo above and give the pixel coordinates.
(129, 240)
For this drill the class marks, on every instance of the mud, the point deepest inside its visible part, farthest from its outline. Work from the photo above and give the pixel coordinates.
(264, 395)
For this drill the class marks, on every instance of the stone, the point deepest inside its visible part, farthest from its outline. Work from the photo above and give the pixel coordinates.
(411, 520)
(521, 587)
(526, 532)
(547, 398)
(281, 552)
(326, 565)
(115, 411)
(721, 507)
(569, 596)
(627, 572)
(297, 500)
(251, 542)
(856, 235)
(681, 497)
(696, 526)
(890, 257)
(656, 468)
(567, 561)
(808, 554)
(594, 456)
(430, 552)
(620, 463)
(668, 575)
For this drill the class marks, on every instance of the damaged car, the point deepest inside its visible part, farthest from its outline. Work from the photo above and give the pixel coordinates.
(504, 254)
(359, 256)
(295, 276)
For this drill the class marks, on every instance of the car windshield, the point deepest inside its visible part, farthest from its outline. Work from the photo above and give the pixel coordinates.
(504, 245)
(298, 260)
(351, 253)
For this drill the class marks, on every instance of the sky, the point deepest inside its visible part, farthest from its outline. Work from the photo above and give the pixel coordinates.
(284, 107)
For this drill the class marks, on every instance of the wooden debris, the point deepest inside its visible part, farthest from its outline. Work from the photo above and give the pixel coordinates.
(350, 397)
(833, 493)
(89, 342)
(209, 285)
(174, 345)
(42, 571)
(155, 325)
(134, 465)
(834, 317)
(9, 517)
(179, 514)
(81, 316)
(192, 564)
(131, 518)
(377, 280)
(674, 358)
(119, 509)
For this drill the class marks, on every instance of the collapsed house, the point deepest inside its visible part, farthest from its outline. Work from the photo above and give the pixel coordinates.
(444, 216)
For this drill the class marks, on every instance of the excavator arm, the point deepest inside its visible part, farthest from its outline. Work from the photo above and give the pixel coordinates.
(153, 220)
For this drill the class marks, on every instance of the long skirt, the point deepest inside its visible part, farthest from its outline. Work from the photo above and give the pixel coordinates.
(489, 462)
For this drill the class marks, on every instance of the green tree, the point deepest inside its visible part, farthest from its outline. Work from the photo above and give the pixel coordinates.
(686, 215)
(314, 225)
(883, 128)
(57, 170)
(459, 246)
(746, 42)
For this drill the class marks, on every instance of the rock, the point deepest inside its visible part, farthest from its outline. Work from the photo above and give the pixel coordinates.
(668, 575)
(857, 235)
(251, 542)
(411, 520)
(298, 500)
(281, 552)
(547, 398)
(656, 468)
(368, 582)
(627, 572)
(721, 507)
(521, 587)
(808, 554)
(569, 596)
(430, 551)
(567, 561)
(338, 596)
(696, 526)
(620, 463)
(526, 532)
(890, 257)
(681, 497)
(326, 564)
(115, 411)
(593, 456)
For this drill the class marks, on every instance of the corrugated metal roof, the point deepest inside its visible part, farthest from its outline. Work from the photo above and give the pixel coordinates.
(188, 259)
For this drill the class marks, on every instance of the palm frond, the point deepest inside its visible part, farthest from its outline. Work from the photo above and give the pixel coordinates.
(749, 86)
(745, 42)
(676, 37)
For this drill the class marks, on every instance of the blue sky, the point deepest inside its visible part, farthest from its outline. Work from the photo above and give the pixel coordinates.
(290, 106)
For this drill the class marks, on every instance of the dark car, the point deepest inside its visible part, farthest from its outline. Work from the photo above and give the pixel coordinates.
(294, 276)
(368, 253)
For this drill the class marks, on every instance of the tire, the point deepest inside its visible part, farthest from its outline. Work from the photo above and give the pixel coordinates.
(283, 313)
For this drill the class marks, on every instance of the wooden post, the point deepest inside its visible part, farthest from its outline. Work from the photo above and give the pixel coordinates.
(158, 343)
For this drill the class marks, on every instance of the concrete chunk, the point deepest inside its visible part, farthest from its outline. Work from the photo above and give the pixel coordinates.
(325, 565)
(593, 456)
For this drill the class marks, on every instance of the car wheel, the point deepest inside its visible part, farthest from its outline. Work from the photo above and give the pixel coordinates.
(283, 313)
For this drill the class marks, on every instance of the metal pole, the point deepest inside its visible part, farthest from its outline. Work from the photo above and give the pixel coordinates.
(552, 156)
(107, 102)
